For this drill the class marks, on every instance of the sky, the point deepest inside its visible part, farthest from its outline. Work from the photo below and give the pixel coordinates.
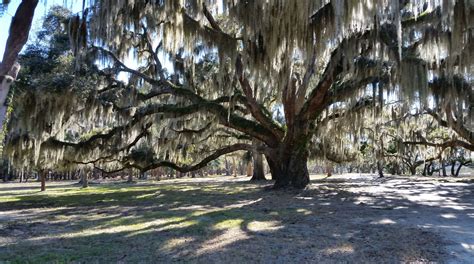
(40, 11)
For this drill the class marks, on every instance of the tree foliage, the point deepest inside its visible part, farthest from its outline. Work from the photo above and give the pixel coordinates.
(302, 78)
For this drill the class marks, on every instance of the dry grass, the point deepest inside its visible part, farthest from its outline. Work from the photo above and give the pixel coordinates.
(227, 220)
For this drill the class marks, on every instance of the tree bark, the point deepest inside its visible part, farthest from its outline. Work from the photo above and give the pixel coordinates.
(258, 172)
(85, 179)
(43, 180)
(227, 166)
(249, 168)
(289, 167)
(234, 167)
(443, 167)
(460, 165)
(380, 169)
(453, 166)
(458, 169)
(19, 30)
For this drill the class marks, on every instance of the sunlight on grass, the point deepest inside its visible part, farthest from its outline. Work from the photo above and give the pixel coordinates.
(229, 223)
(258, 226)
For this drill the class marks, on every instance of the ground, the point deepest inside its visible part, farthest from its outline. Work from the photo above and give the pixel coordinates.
(347, 218)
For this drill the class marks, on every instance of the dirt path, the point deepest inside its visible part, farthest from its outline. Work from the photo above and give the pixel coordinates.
(348, 218)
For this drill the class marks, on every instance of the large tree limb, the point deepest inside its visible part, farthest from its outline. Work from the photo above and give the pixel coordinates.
(459, 128)
(254, 107)
(448, 144)
(199, 165)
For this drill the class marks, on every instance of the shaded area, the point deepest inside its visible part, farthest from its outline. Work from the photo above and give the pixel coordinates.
(215, 220)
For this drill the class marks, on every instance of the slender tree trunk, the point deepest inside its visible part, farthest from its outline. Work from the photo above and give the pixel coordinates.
(459, 168)
(227, 166)
(130, 177)
(43, 180)
(234, 167)
(443, 168)
(453, 166)
(85, 179)
(380, 168)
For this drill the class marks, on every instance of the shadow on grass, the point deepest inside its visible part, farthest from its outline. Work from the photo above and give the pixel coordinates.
(224, 222)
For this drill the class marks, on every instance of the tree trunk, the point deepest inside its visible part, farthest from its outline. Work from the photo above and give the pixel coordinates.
(249, 168)
(460, 165)
(85, 179)
(453, 166)
(380, 168)
(258, 172)
(227, 166)
(289, 167)
(329, 169)
(43, 180)
(458, 170)
(234, 167)
(19, 31)
(443, 168)
(130, 177)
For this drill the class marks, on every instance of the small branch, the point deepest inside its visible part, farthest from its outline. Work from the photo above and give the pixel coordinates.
(210, 18)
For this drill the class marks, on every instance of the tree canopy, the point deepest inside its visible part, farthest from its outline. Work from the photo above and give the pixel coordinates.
(291, 80)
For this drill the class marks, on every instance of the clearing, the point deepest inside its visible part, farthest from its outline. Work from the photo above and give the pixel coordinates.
(347, 218)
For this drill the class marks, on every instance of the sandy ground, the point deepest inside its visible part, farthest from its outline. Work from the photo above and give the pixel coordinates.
(342, 219)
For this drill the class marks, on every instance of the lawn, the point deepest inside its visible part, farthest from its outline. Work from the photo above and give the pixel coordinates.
(228, 220)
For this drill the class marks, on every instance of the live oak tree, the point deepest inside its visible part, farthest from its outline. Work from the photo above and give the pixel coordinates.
(211, 77)
(303, 56)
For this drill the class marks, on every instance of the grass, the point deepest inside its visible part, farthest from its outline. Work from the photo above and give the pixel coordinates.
(116, 213)
(203, 220)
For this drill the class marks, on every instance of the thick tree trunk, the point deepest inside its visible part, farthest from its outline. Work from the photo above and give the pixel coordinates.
(258, 172)
(289, 167)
